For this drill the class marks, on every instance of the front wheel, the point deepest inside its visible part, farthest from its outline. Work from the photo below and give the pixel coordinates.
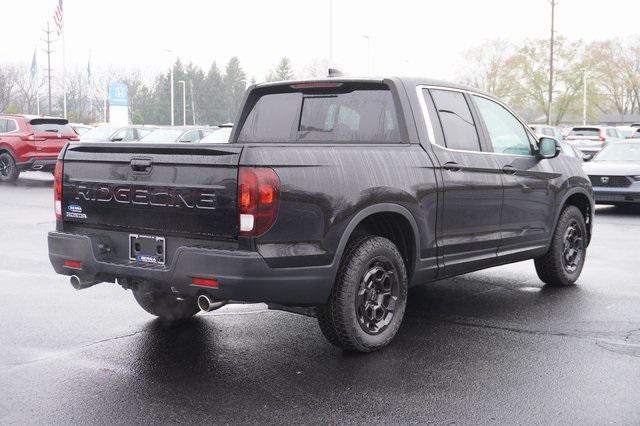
(368, 298)
(166, 306)
(8, 169)
(563, 262)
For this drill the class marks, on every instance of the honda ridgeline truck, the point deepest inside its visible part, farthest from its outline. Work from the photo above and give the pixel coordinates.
(332, 198)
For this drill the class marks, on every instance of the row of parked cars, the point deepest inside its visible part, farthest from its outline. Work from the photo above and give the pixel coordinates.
(32, 143)
(613, 155)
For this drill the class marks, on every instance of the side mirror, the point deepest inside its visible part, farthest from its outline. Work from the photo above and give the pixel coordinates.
(116, 139)
(548, 148)
(586, 157)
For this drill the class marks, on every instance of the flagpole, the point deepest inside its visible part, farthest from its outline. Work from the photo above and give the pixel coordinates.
(64, 67)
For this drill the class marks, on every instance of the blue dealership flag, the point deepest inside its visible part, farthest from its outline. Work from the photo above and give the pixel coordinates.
(34, 65)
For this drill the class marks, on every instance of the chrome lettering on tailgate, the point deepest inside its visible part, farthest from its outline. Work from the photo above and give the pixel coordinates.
(144, 196)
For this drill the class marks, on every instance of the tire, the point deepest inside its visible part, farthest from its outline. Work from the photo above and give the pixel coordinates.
(563, 262)
(371, 277)
(166, 306)
(8, 170)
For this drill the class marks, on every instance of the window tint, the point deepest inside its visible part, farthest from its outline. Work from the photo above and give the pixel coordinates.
(11, 126)
(457, 123)
(354, 116)
(584, 131)
(508, 135)
(3, 125)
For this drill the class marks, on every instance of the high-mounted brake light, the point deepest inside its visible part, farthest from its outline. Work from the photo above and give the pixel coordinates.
(258, 197)
(57, 190)
(315, 85)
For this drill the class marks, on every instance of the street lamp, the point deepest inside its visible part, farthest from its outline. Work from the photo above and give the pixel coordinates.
(184, 102)
(172, 98)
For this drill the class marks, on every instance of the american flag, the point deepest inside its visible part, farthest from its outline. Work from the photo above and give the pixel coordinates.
(58, 17)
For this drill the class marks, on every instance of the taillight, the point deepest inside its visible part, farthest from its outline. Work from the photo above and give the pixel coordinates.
(258, 196)
(602, 139)
(57, 190)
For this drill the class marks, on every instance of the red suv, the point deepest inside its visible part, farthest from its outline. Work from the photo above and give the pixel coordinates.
(29, 142)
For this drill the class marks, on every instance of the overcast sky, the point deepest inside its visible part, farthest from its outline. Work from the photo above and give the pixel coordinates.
(407, 37)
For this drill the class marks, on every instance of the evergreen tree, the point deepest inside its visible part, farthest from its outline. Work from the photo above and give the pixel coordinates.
(235, 84)
(283, 71)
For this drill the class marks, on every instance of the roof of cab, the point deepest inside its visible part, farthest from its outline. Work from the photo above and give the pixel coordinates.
(406, 81)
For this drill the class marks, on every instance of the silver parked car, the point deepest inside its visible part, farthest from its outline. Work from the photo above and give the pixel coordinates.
(591, 139)
(546, 130)
(615, 173)
(184, 134)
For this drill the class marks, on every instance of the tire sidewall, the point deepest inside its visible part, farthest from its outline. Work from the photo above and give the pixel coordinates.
(360, 264)
(14, 169)
(571, 213)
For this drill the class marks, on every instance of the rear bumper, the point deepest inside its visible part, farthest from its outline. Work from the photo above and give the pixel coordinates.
(242, 275)
(604, 195)
(44, 164)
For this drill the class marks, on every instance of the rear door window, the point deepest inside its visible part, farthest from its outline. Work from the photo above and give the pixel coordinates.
(457, 122)
(337, 116)
(11, 126)
(3, 125)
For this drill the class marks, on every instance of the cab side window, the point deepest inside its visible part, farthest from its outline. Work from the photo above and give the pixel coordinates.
(508, 135)
(3, 125)
(457, 122)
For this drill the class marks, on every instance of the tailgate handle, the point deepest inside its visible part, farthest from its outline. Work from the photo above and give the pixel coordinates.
(141, 165)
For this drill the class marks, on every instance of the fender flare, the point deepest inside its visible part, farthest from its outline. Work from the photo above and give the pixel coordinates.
(7, 148)
(368, 211)
(569, 193)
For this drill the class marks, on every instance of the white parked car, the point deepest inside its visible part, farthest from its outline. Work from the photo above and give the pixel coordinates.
(591, 139)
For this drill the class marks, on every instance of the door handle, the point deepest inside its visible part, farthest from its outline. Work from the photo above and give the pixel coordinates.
(509, 170)
(452, 166)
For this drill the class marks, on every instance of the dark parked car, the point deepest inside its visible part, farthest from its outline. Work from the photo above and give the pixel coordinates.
(30, 142)
(615, 173)
(111, 133)
(332, 198)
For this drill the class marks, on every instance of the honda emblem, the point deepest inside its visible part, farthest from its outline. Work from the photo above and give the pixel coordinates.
(604, 179)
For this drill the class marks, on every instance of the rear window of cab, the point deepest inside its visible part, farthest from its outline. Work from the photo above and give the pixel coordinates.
(325, 112)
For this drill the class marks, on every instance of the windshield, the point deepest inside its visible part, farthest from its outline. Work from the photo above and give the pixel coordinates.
(218, 136)
(163, 136)
(101, 133)
(584, 131)
(619, 152)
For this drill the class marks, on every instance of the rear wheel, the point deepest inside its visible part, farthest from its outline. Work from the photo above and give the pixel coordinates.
(166, 306)
(8, 170)
(368, 298)
(562, 264)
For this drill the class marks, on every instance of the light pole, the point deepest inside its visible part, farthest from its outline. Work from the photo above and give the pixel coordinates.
(184, 102)
(368, 38)
(172, 84)
(553, 11)
(584, 98)
(330, 33)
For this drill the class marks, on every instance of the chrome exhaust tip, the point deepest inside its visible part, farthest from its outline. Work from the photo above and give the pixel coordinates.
(79, 284)
(207, 304)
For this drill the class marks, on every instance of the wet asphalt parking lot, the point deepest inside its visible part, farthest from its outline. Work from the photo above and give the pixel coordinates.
(494, 346)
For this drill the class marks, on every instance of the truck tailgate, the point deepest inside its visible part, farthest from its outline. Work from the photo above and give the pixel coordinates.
(158, 190)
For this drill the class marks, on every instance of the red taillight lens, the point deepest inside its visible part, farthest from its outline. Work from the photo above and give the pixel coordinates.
(205, 282)
(31, 137)
(73, 264)
(602, 139)
(57, 190)
(258, 197)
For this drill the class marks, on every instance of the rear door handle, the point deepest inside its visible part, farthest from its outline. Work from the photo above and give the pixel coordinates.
(509, 170)
(452, 166)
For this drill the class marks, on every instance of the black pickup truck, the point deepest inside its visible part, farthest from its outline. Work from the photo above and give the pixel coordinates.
(332, 198)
